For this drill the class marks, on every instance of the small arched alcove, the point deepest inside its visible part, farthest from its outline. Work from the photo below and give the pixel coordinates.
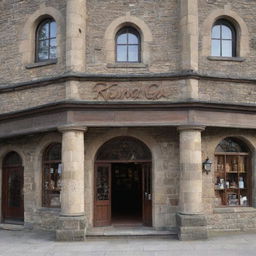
(12, 188)
(233, 179)
(123, 183)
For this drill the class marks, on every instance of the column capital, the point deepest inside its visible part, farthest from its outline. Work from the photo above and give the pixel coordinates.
(66, 128)
(191, 127)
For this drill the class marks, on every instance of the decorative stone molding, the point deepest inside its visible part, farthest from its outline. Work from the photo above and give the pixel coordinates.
(241, 29)
(66, 128)
(28, 33)
(140, 25)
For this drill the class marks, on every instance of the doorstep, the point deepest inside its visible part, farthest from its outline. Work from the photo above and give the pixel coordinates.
(128, 231)
(11, 227)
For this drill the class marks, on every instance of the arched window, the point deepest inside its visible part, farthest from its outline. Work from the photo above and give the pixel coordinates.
(46, 43)
(52, 170)
(128, 45)
(232, 173)
(223, 39)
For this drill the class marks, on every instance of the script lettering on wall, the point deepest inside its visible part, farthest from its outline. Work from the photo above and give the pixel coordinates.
(116, 92)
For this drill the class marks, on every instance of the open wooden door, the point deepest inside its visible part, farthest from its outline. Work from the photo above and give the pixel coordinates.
(147, 194)
(102, 197)
(13, 201)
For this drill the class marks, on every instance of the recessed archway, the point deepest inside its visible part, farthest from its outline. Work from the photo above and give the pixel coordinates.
(123, 183)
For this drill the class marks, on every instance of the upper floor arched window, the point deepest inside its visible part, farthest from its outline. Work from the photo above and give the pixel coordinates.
(128, 45)
(223, 39)
(46, 43)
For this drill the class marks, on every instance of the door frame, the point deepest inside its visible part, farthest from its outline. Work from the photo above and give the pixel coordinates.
(110, 162)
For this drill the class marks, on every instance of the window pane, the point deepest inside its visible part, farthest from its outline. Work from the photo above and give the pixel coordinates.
(216, 31)
(133, 53)
(132, 39)
(226, 32)
(226, 48)
(43, 32)
(122, 39)
(121, 53)
(43, 50)
(53, 49)
(215, 47)
(53, 29)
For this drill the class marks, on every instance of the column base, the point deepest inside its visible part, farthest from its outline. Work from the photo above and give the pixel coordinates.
(71, 228)
(191, 227)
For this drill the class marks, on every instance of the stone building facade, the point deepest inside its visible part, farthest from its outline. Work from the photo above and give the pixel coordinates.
(69, 123)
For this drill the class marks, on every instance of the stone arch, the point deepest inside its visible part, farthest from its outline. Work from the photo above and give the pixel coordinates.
(93, 147)
(242, 47)
(140, 25)
(40, 149)
(27, 36)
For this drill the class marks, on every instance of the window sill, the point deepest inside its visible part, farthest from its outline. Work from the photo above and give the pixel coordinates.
(127, 65)
(235, 59)
(234, 209)
(41, 64)
(48, 209)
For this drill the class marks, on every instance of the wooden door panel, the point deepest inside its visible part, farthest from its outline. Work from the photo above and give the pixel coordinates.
(147, 194)
(13, 201)
(102, 195)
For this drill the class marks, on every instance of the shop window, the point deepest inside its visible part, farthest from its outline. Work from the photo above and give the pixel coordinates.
(223, 39)
(128, 45)
(52, 170)
(232, 173)
(46, 42)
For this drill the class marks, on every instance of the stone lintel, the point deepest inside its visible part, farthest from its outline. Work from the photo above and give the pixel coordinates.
(66, 128)
(191, 127)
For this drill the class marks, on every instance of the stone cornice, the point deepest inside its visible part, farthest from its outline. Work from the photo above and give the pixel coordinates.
(122, 77)
(67, 105)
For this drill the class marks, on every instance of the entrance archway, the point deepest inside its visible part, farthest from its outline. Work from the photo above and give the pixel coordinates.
(122, 183)
(12, 189)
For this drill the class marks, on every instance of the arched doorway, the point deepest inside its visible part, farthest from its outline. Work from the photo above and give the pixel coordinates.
(123, 183)
(12, 189)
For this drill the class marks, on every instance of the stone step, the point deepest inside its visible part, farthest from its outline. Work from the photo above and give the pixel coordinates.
(11, 227)
(126, 231)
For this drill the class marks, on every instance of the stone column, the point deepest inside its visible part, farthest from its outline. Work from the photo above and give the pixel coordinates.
(190, 220)
(72, 219)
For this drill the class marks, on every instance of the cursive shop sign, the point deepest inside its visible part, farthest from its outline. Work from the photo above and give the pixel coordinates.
(117, 92)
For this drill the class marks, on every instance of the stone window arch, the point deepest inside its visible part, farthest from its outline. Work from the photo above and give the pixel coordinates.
(46, 40)
(27, 46)
(127, 21)
(238, 24)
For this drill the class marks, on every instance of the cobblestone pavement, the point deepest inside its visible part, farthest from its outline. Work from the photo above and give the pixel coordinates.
(26, 243)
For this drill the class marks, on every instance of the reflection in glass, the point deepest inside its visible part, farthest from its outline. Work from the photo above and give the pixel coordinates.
(102, 183)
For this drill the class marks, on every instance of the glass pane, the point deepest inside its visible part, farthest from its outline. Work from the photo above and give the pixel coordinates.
(226, 48)
(226, 32)
(121, 53)
(215, 47)
(53, 49)
(133, 53)
(53, 29)
(43, 32)
(14, 190)
(216, 31)
(54, 152)
(43, 50)
(122, 39)
(102, 183)
(132, 39)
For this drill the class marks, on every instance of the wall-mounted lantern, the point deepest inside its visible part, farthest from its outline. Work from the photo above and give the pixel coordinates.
(207, 165)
